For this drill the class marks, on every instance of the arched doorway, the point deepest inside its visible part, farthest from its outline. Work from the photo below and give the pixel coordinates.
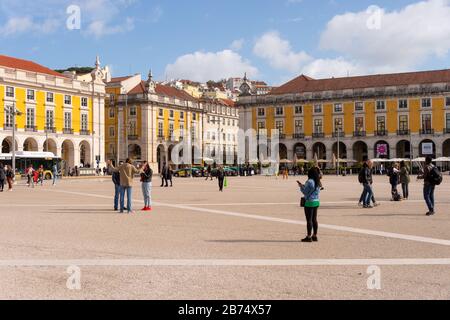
(404, 149)
(50, 146)
(446, 148)
(360, 151)
(342, 150)
(30, 145)
(382, 150)
(134, 152)
(85, 154)
(7, 145)
(320, 151)
(282, 151)
(427, 148)
(300, 151)
(68, 155)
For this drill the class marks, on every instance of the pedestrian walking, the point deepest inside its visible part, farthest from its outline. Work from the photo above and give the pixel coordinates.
(146, 180)
(9, 177)
(41, 175)
(311, 204)
(127, 172)
(365, 178)
(405, 179)
(221, 177)
(169, 174)
(55, 173)
(2, 177)
(208, 172)
(30, 176)
(432, 177)
(164, 176)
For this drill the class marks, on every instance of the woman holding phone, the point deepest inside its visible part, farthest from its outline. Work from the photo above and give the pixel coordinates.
(311, 192)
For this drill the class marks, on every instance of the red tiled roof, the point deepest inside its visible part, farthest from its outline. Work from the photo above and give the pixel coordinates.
(26, 65)
(307, 84)
(163, 90)
(228, 102)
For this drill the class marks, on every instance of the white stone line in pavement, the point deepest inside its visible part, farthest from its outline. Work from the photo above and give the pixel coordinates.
(221, 262)
(289, 221)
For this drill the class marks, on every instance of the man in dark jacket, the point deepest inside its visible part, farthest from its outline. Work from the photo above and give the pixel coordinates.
(428, 185)
(164, 175)
(367, 180)
(116, 181)
(2, 177)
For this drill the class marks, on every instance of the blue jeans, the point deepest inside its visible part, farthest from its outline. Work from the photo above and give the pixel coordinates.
(129, 191)
(146, 192)
(116, 196)
(55, 176)
(428, 194)
(368, 193)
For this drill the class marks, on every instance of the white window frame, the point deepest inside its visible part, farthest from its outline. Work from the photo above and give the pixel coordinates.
(31, 95)
(82, 123)
(65, 100)
(7, 92)
(357, 103)
(47, 96)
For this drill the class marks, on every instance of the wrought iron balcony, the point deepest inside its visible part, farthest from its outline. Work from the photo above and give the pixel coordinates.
(68, 131)
(133, 137)
(427, 131)
(338, 134)
(30, 128)
(8, 126)
(318, 135)
(403, 132)
(359, 133)
(381, 133)
(85, 132)
(50, 130)
(299, 136)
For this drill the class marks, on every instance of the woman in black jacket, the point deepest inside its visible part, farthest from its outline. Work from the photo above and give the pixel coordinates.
(146, 179)
(2, 177)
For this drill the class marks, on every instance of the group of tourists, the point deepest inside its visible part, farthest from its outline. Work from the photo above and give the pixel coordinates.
(6, 176)
(399, 173)
(166, 176)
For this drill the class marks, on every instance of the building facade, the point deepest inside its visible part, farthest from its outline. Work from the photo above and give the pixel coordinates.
(145, 121)
(54, 112)
(388, 116)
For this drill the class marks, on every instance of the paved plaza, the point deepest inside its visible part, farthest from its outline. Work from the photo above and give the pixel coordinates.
(244, 243)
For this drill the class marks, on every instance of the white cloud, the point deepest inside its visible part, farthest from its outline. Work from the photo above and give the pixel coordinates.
(399, 40)
(204, 66)
(279, 53)
(326, 68)
(237, 45)
(26, 24)
(100, 28)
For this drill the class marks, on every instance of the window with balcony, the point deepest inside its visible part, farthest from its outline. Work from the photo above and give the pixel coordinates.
(84, 123)
(112, 132)
(359, 106)
(447, 123)
(112, 112)
(172, 137)
(318, 126)
(171, 114)
(9, 92)
(338, 107)
(403, 125)
(49, 120)
(359, 126)
(338, 125)
(298, 109)
(298, 127)
(160, 112)
(318, 108)
(68, 100)
(279, 125)
(403, 104)
(261, 127)
(50, 97)
(160, 129)
(381, 125)
(381, 105)
(84, 102)
(181, 130)
(426, 103)
(30, 119)
(67, 122)
(447, 101)
(30, 95)
(426, 124)
(8, 118)
(181, 115)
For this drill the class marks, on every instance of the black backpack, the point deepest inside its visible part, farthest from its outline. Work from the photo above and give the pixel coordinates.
(361, 176)
(435, 176)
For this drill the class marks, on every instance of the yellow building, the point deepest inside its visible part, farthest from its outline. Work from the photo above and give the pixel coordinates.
(145, 121)
(55, 113)
(381, 116)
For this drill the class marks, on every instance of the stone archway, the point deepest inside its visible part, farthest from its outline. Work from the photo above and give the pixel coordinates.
(320, 150)
(382, 150)
(403, 149)
(50, 146)
(7, 145)
(30, 144)
(282, 152)
(300, 151)
(85, 153)
(446, 148)
(342, 150)
(134, 152)
(427, 147)
(360, 151)
(68, 155)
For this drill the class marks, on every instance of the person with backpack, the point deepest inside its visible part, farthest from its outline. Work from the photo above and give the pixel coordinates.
(9, 177)
(311, 203)
(394, 177)
(404, 179)
(116, 180)
(146, 180)
(431, 177)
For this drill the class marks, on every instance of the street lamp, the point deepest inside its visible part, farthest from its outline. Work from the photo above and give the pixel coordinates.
(13, 113)
(214, 121)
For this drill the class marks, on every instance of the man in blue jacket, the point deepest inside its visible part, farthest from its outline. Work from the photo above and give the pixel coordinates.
(116, 181)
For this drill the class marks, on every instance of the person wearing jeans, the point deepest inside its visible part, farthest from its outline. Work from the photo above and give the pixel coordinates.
(129, 191)
(127, 172)
(146, 179)
(428, 186)
(116, 181)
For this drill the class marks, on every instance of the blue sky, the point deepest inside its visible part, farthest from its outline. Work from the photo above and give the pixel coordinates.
(272, 40)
